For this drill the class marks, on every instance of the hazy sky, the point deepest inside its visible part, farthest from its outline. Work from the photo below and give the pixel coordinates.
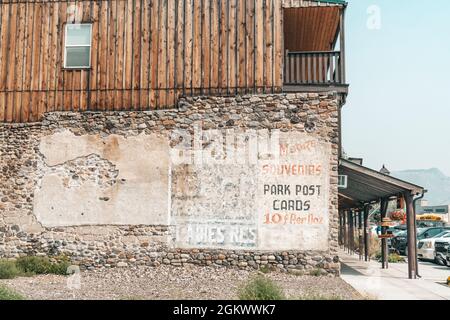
(398, 109)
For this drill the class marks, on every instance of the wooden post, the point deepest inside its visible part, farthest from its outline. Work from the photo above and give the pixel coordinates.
(383, 212)
(342, 45)
(350, 226)
(411, 235)
(341, 235)
(366, 233)
(360, 234)
(344, 229)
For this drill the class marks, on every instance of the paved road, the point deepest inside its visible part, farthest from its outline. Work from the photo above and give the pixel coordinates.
(393, 284)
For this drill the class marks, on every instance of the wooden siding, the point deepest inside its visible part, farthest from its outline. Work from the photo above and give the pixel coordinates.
(145, 53)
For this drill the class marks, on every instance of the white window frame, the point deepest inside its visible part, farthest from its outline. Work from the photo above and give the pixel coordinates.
(342, 181)
(77, 46)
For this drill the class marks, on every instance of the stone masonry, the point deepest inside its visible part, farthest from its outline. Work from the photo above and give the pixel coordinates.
(23, 166)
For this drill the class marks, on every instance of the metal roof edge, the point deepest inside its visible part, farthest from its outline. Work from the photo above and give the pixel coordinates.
(389, 179)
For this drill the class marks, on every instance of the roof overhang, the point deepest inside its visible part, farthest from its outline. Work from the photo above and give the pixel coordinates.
(366, 186)
(313, 28)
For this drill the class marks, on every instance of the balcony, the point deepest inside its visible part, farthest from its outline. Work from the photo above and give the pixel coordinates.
(314, 71)
(314, 42)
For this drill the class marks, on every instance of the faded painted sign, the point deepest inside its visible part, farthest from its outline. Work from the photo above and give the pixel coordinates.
(279, 202)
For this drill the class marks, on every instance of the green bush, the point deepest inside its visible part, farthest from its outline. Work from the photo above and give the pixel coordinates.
(42, 265)
(316, 273)
(395, 258)
(8, 294)
(392, 258)
(8, 269)
(261, 288)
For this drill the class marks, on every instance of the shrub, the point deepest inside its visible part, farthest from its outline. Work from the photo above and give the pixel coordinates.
(316, 273)
(395, 258)
(261, 288)
(8, 269)
(392, 258)
(264, 269)
(42, 265)
(8, 294)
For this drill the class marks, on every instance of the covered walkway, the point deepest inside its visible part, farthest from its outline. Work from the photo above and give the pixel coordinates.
(363, 189)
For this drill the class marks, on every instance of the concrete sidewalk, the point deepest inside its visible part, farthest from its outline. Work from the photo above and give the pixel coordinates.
(393, 284)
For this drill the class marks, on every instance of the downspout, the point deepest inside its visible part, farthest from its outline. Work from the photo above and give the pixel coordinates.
(415, 227)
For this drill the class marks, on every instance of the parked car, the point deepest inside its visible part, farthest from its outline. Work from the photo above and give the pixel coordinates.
(448, 257)
(426, 249)
(442, 247)
(400, 242)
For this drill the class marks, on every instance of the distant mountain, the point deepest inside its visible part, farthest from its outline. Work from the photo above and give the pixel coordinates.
(436, 182)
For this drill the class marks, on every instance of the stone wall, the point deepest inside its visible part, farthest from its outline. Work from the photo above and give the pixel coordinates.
(102, 188)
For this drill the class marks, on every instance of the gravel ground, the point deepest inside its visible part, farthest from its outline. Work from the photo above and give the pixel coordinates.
(165, 282)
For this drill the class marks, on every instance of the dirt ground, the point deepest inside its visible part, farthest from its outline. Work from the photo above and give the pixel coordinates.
(165, 282)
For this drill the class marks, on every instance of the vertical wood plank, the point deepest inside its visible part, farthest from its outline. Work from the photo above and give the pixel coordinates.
(128, 74)
(214, 43)
(103, 53)
(242, 24)
(96, 60)
(136, 104)
(53, 48)
(206, 46)
(188, 57)
(223, 69)
(232, 37)
(250, 44)
(11, 65)
(120, 44)
(4, 41)
(162, 55)
(112, 52)
(278, 46)
(197, 47)
(35, 62)
(145, 55)
(180, 48)
(259, 45)
(18, 82)
(268, 74)
(170, 71)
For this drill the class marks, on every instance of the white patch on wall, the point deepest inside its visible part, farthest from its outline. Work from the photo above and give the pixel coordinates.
(90, 180)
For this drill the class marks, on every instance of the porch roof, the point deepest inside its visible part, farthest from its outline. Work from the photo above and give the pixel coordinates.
(365, 186)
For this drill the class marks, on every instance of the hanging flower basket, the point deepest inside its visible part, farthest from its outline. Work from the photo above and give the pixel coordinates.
(398, 215)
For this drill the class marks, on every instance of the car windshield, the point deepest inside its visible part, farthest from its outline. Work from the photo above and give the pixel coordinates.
(402, 234)
(442, 234)
(421, 231)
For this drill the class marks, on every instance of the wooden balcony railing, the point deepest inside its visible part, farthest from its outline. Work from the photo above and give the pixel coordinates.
(314, 68)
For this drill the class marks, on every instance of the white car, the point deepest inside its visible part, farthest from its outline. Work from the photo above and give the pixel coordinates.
(426, 250)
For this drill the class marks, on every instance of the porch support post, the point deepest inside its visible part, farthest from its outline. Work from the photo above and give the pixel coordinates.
(384, 254)
(350, 229)
(412, 237)
(360, 234)
(344, 228)
(342, 44)
(366, 233)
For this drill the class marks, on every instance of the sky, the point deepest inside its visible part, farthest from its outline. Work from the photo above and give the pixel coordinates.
(398, 67)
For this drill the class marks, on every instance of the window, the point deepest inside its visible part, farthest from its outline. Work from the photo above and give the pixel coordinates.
(77, 51)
